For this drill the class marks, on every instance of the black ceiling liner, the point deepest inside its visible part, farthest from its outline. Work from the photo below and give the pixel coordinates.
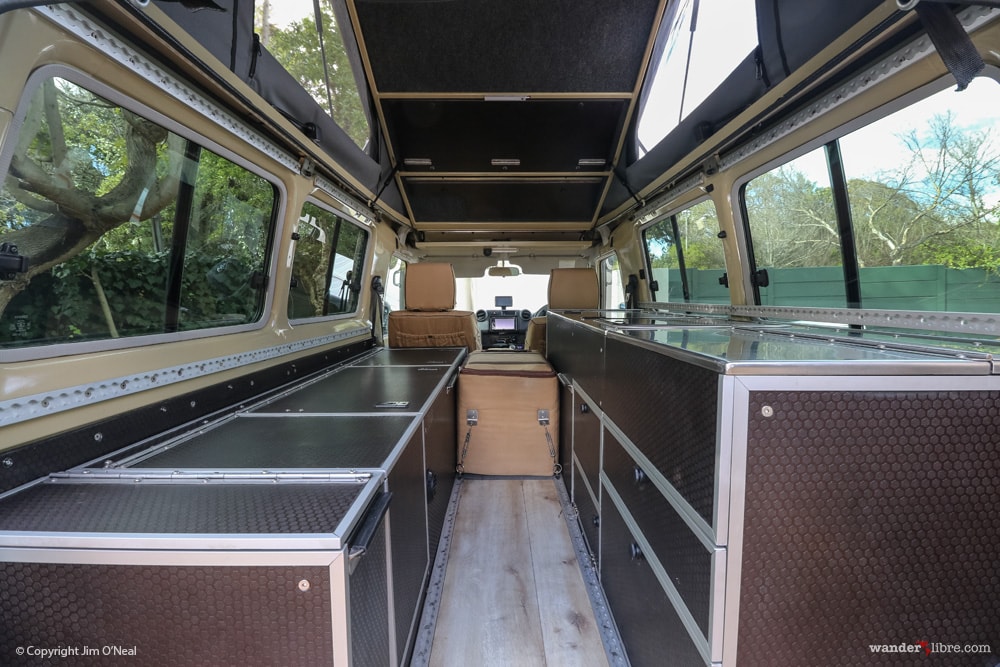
(504, 201)
(506, 45)
(545, 135)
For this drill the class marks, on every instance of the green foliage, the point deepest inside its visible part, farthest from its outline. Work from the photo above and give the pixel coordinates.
(118, 284)
(297, 48)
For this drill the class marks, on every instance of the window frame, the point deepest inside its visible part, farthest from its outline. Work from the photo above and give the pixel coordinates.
(343, 217)
(833, 136)
(671, 215)
(77, 77)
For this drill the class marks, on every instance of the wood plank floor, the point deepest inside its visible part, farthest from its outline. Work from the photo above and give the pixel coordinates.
(513, 593)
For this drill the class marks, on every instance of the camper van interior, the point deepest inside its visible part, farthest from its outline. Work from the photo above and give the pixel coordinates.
(496, 332)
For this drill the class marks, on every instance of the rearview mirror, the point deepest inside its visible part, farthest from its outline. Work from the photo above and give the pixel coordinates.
(503, 271)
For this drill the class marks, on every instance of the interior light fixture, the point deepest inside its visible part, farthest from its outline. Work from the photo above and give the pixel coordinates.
(418, 162)
(505, 162)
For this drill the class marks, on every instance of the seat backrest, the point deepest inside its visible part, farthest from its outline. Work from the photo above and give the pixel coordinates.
(569, 289)
(574, 289)
(429, 319)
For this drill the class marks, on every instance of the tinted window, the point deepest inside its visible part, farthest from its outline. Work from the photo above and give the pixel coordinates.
(127, 229)
(919, 230)
(329, 265)
(685, 256)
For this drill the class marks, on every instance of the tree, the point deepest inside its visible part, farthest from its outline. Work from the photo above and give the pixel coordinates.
(66, 190)
(938, 197)
(297, 48)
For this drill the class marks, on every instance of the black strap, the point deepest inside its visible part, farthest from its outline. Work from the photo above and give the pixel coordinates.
(951, 41)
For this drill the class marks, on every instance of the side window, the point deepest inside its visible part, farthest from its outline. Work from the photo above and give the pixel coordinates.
(126, 228)
(795, 235)
(685, 256)
(328, 265)
(919, 227)
(612, 290)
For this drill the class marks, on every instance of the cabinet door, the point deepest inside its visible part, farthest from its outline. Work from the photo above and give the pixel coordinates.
(408, 535)
(439, 445)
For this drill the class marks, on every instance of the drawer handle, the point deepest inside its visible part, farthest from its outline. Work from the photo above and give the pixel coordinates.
(640, 476)
(635, 552)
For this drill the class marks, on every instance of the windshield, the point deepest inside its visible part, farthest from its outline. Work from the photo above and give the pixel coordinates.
(528, 291)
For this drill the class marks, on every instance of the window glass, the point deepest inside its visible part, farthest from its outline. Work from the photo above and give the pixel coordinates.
(126, 228)
(925, 203)
(692, 66)
(924, 212)
(795, 234)
(288, 30)
(328, 265)
(529, 291)
(612, 291)
(685, 256)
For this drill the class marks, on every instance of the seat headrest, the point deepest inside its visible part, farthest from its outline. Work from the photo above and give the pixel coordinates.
(574, 289)
(429, 286)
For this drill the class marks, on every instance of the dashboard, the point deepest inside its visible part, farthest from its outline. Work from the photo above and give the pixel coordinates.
(503, 326)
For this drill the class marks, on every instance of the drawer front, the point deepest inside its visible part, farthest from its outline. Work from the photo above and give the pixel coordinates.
(668, 409)
(587, 443)
(590, 518)
(650, 628)
(685, 558)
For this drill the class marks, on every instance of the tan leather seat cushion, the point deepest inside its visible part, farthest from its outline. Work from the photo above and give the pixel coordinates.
(452, 328)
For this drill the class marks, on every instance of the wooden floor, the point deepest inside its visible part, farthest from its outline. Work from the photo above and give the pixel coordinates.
(513, 593)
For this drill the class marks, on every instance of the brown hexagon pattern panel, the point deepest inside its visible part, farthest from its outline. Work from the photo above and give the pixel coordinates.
(872, 518)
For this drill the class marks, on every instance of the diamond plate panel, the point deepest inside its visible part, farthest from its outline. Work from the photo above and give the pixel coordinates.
(871, 518)
(191, 615)
(361, 389)
(179, 508)
(667, 408)
(687, 562)
(288, 442)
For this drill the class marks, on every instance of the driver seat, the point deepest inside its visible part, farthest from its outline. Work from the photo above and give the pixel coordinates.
(430, 319)
(569, 289)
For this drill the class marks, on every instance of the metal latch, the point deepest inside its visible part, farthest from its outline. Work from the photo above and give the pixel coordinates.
(543, 417)
(472, 417)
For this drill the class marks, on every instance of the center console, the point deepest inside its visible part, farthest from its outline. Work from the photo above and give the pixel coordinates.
(502, 327)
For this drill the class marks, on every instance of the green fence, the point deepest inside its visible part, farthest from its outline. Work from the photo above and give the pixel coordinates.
(932, 287)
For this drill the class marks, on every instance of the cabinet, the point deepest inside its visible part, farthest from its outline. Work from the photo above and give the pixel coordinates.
(298, 530)
(769, 495)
